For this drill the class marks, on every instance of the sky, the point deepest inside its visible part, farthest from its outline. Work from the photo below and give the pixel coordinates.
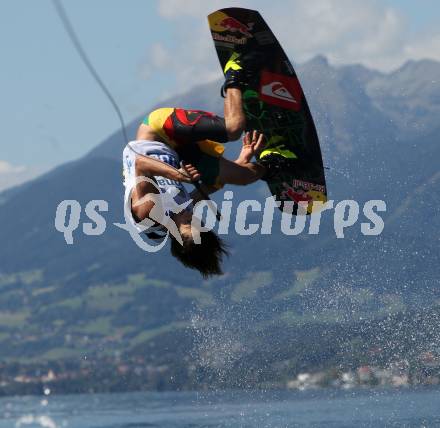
(147, 50)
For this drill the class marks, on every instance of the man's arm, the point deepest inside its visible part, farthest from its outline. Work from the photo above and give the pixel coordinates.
(147, 166)
(197, 196)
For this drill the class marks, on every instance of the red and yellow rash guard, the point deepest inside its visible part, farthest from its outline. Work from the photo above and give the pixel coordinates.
(196, 136)
(178, 128)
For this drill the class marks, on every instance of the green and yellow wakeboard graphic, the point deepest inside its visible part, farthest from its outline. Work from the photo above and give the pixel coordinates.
(275, 104)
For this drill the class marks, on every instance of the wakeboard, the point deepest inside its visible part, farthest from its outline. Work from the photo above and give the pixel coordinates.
(275, 105)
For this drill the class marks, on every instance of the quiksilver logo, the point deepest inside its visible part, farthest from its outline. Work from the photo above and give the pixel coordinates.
(279, 91)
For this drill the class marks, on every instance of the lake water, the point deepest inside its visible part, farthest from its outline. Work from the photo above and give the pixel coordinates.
(321, 408)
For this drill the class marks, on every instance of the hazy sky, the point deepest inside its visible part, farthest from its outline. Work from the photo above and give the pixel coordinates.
(52, 111)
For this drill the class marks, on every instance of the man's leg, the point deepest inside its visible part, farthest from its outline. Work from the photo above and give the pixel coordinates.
(235, 119)
(239, 71)
(207, 126)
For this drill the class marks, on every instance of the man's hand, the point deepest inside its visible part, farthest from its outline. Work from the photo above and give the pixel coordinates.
(252, 145)
(148, 166)
(188, 173)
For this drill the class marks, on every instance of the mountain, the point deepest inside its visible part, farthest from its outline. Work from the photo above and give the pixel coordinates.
(379, 135)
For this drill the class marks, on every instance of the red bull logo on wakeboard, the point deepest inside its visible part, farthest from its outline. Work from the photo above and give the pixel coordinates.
(235, 26)
(220, 22)
(304, 192)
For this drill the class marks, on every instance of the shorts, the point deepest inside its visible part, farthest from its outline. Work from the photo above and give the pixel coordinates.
(196, 136)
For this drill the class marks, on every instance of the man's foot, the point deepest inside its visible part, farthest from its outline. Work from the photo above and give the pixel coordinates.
(276, 158)
(275, 164)
(275, 146)
(242, 70)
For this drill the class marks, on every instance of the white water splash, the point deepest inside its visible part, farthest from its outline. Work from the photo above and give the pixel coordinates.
(219, 343)
(41, 421)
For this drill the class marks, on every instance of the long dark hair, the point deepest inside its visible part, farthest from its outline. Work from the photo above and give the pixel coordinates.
(206, 257)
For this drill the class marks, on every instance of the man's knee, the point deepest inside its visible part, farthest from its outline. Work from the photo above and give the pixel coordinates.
(235, 129)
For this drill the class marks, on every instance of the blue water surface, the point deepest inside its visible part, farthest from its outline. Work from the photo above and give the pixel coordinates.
(319, 408)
